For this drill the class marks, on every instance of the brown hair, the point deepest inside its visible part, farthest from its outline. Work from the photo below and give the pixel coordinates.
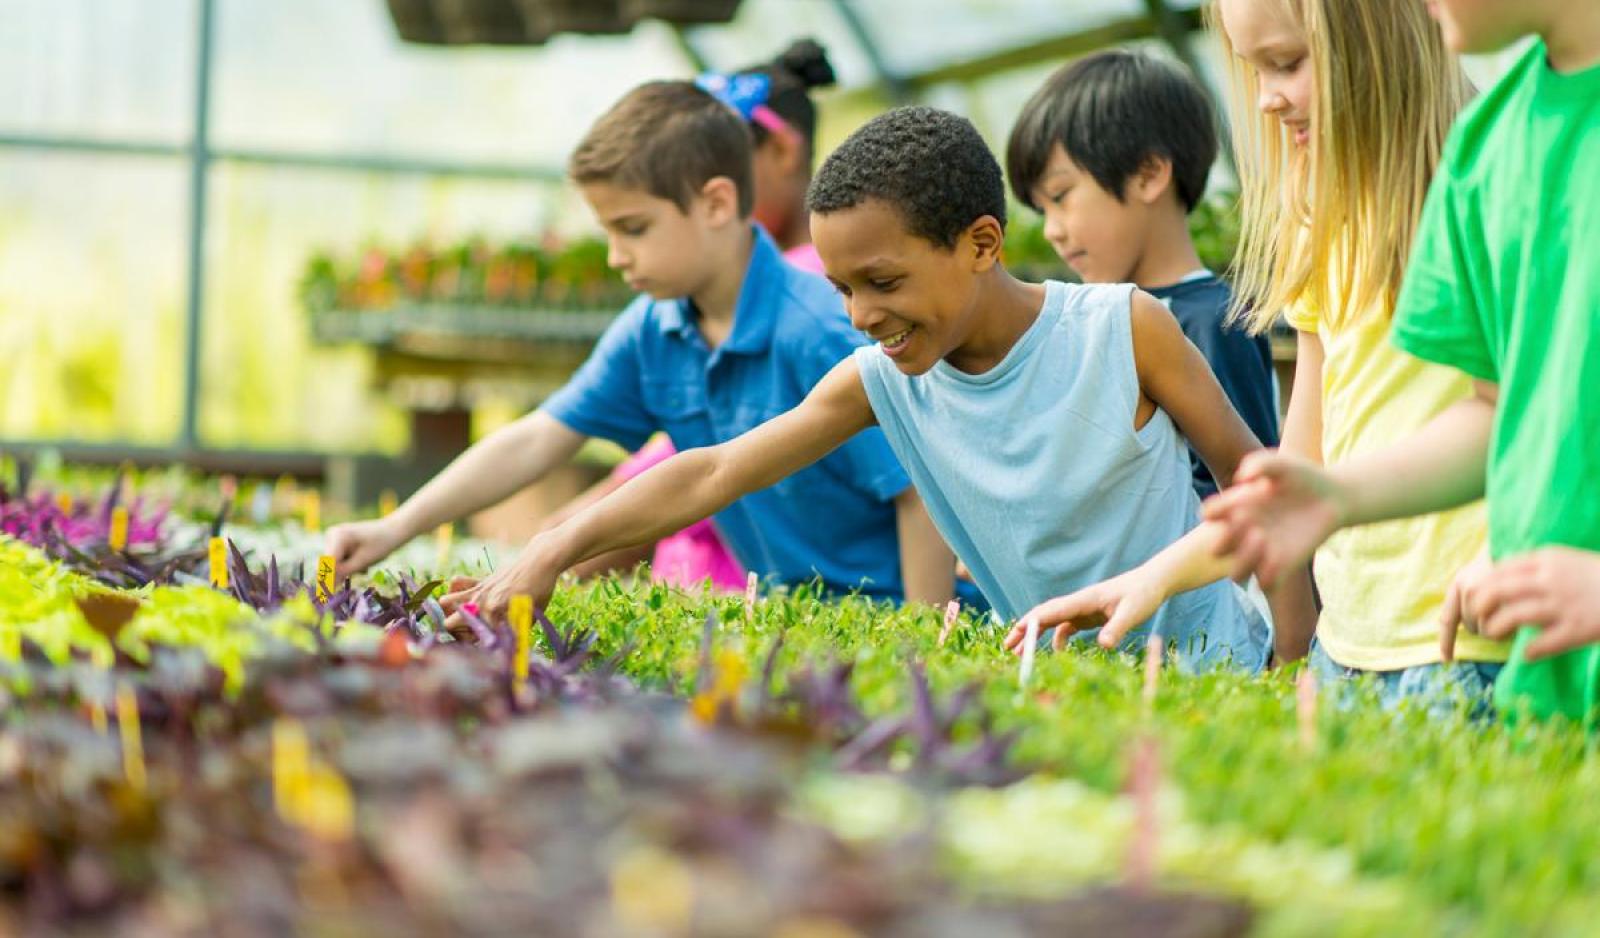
(669, 139)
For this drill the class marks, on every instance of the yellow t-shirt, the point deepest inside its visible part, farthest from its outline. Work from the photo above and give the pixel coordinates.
(1383, 585)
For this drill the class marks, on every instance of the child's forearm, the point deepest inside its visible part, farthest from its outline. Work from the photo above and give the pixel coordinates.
(667, 498)
(927, 565)
(490, 471)
(1190, 562)
(1294, 616)
(1441, 467)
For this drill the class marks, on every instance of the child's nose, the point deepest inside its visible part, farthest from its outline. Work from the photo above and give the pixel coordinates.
(616, 257)
(861, 317)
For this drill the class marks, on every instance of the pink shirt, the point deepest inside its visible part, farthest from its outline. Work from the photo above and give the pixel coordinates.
(805, 257)
(694, 554)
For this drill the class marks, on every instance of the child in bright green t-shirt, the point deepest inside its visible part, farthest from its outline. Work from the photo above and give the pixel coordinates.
(1503, 284)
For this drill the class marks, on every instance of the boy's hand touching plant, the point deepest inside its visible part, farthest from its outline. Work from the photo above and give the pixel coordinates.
(360, 544)
(1115, 607)
(533, 573)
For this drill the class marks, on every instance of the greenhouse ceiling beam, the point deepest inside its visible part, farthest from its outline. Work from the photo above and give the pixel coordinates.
(690, 50)
(343, 162)
(199, 163)
(1053, 49)
(888, 78)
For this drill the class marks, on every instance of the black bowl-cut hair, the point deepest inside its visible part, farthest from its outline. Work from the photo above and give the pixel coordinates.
(932, 166)
(1111, 112)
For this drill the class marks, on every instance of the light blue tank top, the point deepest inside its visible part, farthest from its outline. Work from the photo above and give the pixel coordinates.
(1037, 479)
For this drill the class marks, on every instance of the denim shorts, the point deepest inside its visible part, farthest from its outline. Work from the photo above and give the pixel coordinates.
(1442, 690)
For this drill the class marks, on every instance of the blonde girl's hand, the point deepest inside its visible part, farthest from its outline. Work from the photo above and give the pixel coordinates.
(1115, 607)
(1276, 514)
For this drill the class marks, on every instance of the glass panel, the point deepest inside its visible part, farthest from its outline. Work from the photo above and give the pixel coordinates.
(265, 383)
(315, 76)
(102, 68)
(91, 296)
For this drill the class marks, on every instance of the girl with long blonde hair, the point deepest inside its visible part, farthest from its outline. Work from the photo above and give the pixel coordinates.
(1339, 111)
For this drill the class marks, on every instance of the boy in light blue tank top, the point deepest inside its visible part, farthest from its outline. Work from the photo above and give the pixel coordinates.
(1043, 424)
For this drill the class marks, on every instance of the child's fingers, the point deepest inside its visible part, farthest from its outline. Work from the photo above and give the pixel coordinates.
(1068, 609)
(1117, 627)
(1013, 638)
(1552, 642)
(1247, 555)
(1449, 619)
(1513, 614)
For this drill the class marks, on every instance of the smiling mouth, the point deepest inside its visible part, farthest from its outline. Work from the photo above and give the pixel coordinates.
(896, 342)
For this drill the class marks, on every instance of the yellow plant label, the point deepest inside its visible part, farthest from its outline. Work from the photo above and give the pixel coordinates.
(520, 612)
(325, 573)
(118, 538)
(219, 563)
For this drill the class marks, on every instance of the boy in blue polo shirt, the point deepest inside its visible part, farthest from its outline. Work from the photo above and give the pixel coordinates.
(725, 336)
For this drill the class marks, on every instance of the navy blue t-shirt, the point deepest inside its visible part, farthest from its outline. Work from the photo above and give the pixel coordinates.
(1241, 362)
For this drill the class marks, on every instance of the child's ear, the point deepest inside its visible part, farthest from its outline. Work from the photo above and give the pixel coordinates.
(720, 200)
(987, 237)
(1152, 180)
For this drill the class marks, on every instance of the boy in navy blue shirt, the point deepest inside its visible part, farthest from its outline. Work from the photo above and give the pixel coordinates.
(1114, 150)
(725, 337)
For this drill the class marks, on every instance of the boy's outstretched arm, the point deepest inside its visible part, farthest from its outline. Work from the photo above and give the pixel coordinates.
(927, 565)
(490, 471)
(686, 488)
(1282, 508)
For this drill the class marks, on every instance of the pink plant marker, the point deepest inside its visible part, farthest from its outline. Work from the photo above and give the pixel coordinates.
(1030, 642)
(1145, 785)
(470, 609)
(1305, 696)
(952, 609)
(1152, 669)
(750, 584)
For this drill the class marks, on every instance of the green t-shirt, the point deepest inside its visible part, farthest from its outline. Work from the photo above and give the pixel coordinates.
(1504, 284)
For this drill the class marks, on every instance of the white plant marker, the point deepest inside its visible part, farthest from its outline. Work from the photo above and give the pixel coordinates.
(1153, 649)
(1030, 641)
(750, 583)
(952, 610)
(1305, 696)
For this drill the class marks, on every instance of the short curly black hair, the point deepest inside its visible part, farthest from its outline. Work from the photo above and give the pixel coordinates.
(932, 166)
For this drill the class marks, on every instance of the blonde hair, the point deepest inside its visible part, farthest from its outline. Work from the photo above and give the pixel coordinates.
(1329, 226)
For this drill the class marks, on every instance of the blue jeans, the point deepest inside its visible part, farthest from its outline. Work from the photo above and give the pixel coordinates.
(1441, 690)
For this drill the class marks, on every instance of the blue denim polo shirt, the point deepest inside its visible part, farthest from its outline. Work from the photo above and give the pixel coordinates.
(653, 371)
